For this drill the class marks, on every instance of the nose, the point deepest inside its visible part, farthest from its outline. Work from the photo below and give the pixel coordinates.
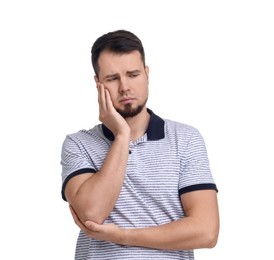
(123, 86)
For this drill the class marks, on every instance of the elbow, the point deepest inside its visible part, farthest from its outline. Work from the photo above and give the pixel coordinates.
(211, 241)
(211, 238)
(94, 216)
(88, 214)
(87, 211)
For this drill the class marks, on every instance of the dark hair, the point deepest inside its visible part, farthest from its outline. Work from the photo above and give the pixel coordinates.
(120, 41)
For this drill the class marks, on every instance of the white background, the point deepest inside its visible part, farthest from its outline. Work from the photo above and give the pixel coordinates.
(211, 66)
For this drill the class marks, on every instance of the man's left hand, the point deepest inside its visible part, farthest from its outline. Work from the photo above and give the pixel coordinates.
(105, 232)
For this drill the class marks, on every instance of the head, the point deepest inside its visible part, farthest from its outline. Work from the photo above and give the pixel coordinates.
(119, 42)
(118, 60)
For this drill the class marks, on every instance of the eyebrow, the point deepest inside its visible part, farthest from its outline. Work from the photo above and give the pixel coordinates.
(117, 75)
(111, 76)
(133, 71)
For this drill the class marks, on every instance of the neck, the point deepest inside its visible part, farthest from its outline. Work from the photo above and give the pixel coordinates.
(138, 124)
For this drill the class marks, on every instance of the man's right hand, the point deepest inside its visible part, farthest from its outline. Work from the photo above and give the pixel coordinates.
(108, 114)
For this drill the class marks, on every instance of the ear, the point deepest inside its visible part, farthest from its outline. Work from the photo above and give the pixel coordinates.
(147, 70)
(147, 73)
(96, 79)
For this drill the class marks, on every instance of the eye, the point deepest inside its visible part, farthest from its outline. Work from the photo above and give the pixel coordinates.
(133, 75)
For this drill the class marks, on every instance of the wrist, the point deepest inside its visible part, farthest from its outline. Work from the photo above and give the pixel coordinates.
(124, 238)
(123, 137)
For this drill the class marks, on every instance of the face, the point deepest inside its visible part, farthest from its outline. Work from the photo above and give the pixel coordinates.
(126, 79)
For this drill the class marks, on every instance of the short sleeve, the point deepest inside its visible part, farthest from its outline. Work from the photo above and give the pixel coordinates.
(195, 173)
(74, 160)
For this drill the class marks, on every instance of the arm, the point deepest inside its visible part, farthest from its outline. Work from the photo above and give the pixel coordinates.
(198, 229)
(93, 196)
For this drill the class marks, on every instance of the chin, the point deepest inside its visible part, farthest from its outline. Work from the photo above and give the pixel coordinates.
(129, 111)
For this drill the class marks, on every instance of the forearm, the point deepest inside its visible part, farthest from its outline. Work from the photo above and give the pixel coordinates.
(97, 196)
(184, 234)
(198, 229)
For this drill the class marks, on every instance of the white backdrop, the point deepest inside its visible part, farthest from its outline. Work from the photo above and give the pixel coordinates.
(211, 66)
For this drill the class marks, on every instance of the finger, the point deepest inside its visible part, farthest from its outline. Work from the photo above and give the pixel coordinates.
(98, 92)
(102, 97)
(109, 104)
(92, 226)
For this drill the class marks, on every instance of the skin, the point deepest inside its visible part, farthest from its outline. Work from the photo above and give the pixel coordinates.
(122, 81)
(122, 85)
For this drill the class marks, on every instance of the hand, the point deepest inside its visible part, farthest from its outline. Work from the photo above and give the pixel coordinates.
(108, 114)
(105, 232)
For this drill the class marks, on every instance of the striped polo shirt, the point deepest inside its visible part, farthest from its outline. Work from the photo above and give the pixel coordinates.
(168, 160)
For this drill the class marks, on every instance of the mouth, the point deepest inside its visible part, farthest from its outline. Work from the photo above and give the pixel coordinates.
(126, 100)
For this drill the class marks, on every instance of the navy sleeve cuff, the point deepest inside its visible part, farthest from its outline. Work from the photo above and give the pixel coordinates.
(203, 186)
(81, 171)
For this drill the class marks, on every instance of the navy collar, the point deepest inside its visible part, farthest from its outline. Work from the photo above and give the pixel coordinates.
(155, 130)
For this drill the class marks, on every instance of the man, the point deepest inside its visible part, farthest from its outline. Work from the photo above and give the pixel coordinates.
(138, 186)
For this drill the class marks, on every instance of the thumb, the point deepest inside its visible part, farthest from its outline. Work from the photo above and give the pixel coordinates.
(91, 225)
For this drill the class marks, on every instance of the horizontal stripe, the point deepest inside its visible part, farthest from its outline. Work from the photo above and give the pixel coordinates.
(159, 169)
